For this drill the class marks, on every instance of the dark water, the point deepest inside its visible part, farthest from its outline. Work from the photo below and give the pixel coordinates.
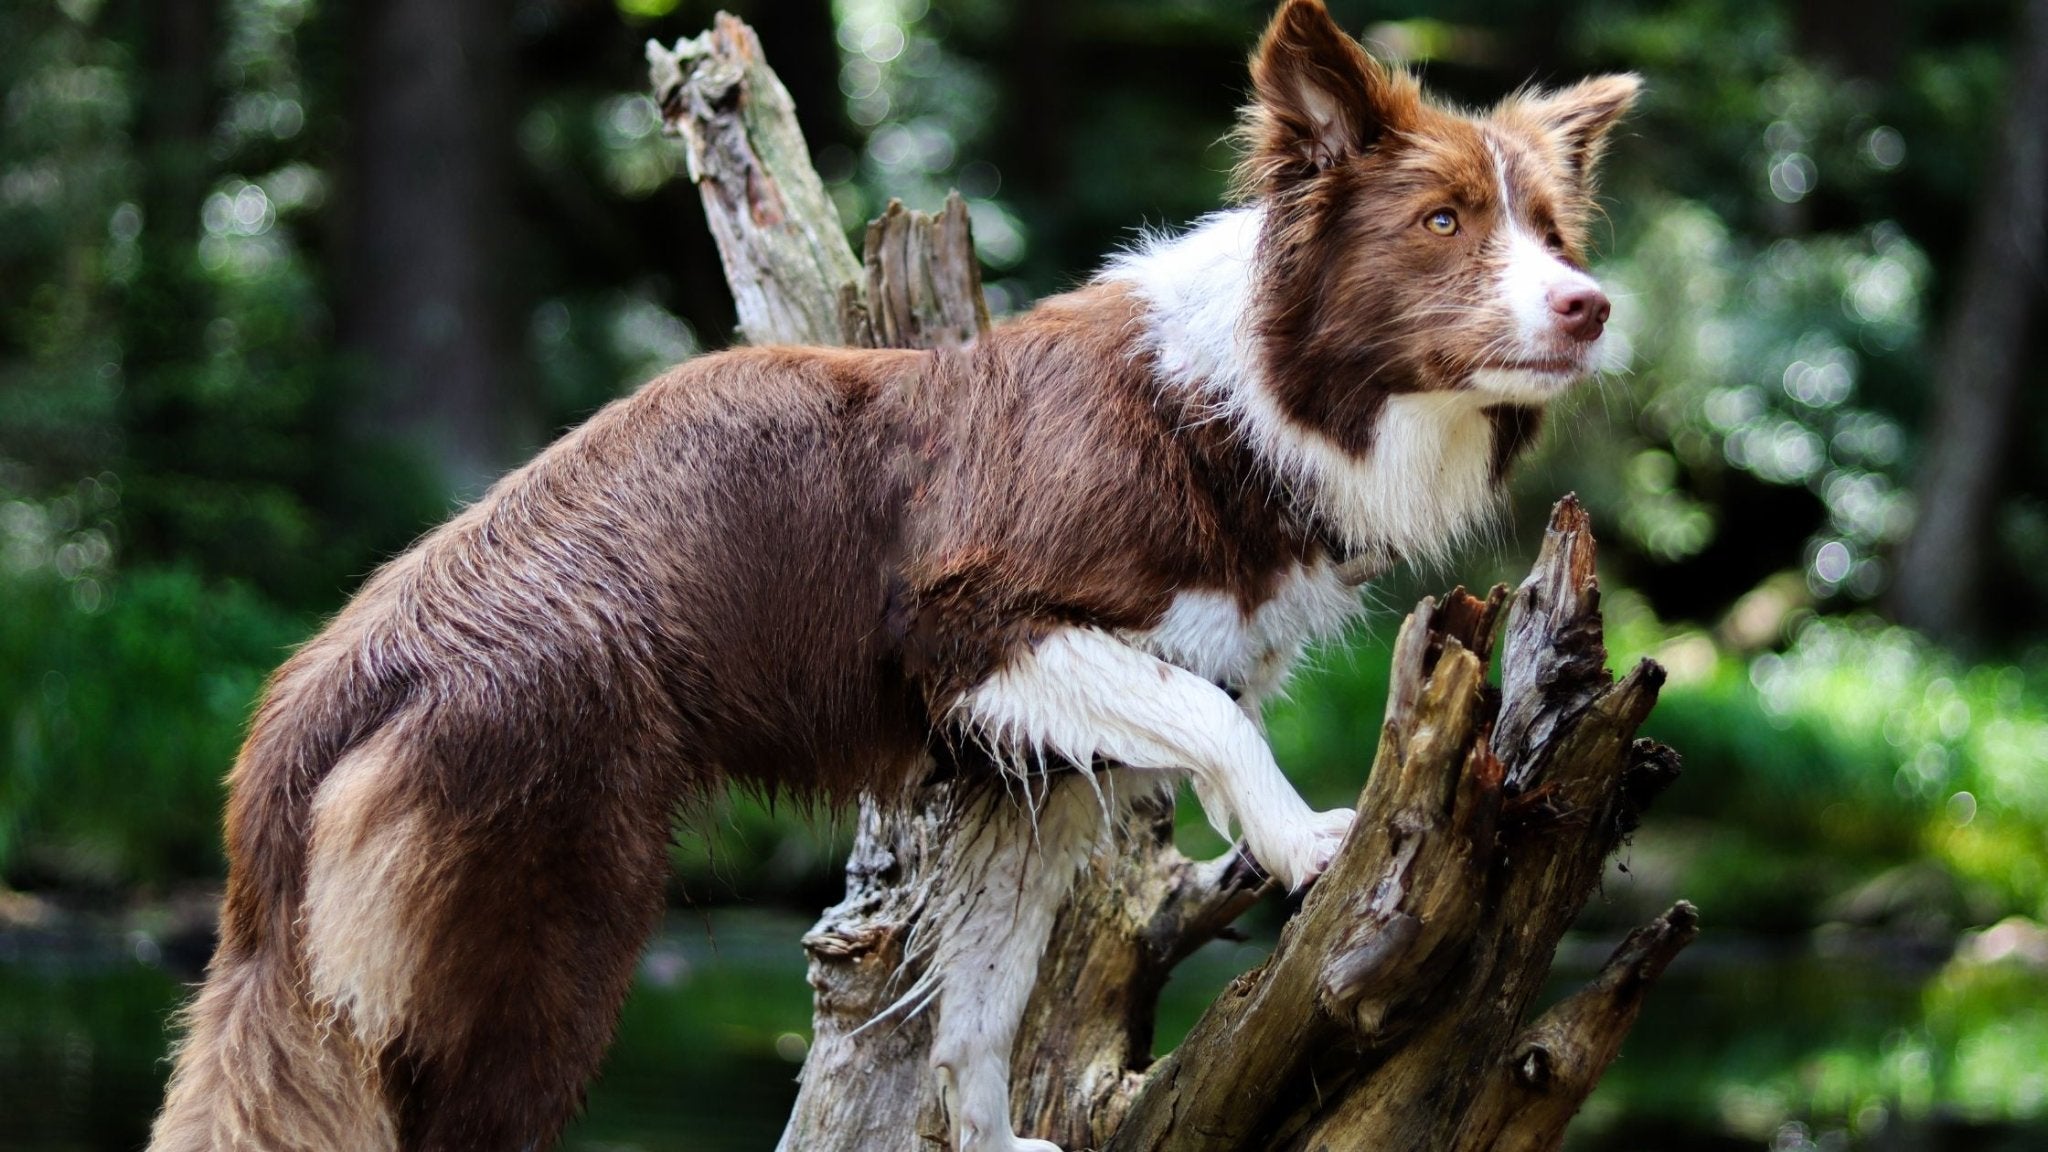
(706, 1058)
(1744, 1045)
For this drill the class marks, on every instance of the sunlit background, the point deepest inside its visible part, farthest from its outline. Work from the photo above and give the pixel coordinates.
(280, 280)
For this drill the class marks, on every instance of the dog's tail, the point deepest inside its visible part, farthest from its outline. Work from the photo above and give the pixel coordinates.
(259, 1070)
(262, 1065)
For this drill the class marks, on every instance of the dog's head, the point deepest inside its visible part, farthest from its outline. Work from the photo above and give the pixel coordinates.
(1411, 247)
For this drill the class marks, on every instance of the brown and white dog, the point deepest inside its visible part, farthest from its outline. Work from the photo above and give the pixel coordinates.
(1103, 532)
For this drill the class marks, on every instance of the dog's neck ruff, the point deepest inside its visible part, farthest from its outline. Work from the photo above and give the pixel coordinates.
(1426, 484)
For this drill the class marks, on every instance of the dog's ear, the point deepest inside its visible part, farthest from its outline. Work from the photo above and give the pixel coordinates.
(1320, 98)
(1581, 117)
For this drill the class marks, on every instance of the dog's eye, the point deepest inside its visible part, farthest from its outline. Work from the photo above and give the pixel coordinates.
(1554, 242)
(1443, 222)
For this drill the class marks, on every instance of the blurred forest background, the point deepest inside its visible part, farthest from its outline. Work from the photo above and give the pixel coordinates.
(282, 280)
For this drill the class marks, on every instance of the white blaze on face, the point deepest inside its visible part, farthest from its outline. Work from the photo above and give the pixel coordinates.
(1531, 277)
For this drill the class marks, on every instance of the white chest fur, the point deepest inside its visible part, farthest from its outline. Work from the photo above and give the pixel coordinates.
(1426, 484)
(1427, 481)
(1210, 634)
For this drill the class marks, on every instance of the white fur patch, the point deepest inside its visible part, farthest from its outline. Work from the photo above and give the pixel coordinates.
(1426, 484)
(1209, 633)
(1527, 277)
(364, 870)
(1530, 272)
(1199, 285)
(1083, 695)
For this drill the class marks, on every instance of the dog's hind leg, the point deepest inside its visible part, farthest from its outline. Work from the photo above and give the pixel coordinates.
(1002, 887)
(480, 948)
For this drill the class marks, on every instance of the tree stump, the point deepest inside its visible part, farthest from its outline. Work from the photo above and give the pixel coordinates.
(1394, 1012)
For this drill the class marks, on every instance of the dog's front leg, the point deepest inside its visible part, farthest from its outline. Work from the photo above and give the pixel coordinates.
(1084, 695)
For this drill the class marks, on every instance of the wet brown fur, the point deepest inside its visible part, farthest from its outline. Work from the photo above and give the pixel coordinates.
(449, 824)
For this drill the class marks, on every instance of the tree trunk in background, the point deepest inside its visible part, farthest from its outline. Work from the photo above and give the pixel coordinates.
(164, 312)
(1029, 134)
(428, 238)
(175, 104)
(1979, 386)
(1861, 38)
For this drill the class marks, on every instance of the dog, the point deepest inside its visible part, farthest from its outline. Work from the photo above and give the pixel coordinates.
(1101, 533)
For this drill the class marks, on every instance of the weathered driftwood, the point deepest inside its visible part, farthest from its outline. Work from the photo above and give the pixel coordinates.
(924, 283)
(1394, 1011)
(777, 232)
(1555, 1064)
(1404, 981)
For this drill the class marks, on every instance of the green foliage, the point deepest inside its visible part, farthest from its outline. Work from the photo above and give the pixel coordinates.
(1863, 747)
(1987, 1027)
(124, 708)
(646, 9)
(1859, 1043)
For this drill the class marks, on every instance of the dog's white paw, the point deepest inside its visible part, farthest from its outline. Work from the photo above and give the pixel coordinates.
(1312, 848)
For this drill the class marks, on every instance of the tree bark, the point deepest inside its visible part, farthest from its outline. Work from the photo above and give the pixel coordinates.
(1939, 588)
(1394, 1011)
(785, 254)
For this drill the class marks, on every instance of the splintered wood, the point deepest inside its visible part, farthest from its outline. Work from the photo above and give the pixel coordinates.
(924, 284)
(1391, 1015)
